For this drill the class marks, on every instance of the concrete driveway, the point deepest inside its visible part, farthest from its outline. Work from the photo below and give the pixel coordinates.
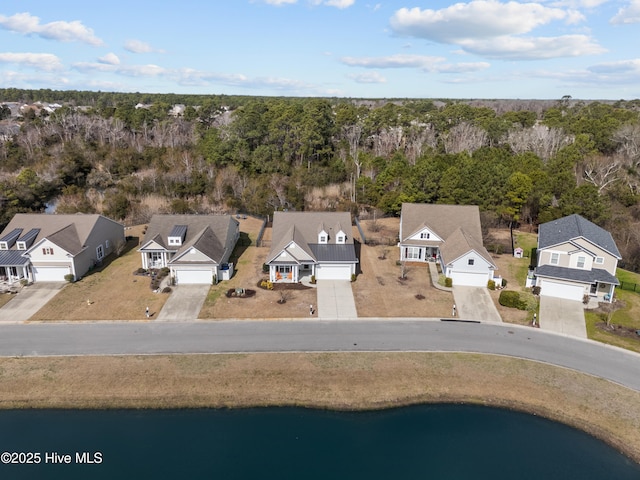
(335, 300)
(562, 316)
(29, 300)
(184, 303)
(475, 303)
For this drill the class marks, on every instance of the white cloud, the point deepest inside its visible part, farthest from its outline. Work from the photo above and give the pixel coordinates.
(41, 61)
(338, 3)
(109, 59)
(589, 4)
(28, 24)
(369, 77)
(462, 67)
(137, 46)
(533, 48)
(279, 3)
(495, 30)
(127, 70)
(393, 61)
(624, 67)
(628, 15)
(477, 19)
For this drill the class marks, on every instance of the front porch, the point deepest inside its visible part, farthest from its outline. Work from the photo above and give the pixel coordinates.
(14, 273)
(290, 273)
(410, 253)
(600, 293)
(154, 259)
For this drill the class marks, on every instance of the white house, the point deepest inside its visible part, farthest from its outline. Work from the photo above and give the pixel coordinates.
(450, 235)
(576, 257)
(45, 248)
(306, 244)
(196, 248)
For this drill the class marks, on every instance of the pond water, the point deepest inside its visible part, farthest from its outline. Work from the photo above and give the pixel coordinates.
(425, 441)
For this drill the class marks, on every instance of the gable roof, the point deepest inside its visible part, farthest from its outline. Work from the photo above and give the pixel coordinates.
(207, 233)
(441, 219)
(303, 229)
(459, 243)
(68, 231)
(574, 226)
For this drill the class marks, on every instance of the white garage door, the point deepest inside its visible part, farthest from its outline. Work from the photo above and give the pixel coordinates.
(50, 274)
(561, 290)
(333, 272)
(470, 279)
(185, 277)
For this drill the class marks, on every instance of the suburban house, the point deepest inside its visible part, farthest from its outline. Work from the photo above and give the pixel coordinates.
(306, 244)
(576, 258)
(447, 234)
(46, 247)
(196, 248)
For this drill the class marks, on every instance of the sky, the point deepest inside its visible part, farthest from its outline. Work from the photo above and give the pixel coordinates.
(587, 49)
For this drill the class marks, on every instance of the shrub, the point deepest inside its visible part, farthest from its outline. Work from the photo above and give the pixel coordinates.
(70, 277)
(511, 299)
(265, 268)
(266, 284)
(24, 282)
(313, 279)
(535, 290)
(353, 277)
(504, 283)
(164, 271)
(491, 285)
(448, 282)
(166, 290)
(141, 270)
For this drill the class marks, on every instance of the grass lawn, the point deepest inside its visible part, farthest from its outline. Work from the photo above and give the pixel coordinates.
(109, 293)
(4, 298)
(628, 316)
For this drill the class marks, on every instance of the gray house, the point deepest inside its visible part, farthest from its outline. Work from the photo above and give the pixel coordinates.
(45, 248)
(576, 257)
(311, 243)
(196, 248)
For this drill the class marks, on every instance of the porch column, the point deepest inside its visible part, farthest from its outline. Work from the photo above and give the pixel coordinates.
(272, 273)
(612, 289)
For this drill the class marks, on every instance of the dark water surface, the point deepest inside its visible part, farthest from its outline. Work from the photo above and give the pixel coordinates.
(419, 442)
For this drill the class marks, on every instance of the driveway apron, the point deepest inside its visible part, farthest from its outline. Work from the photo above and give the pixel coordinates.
(184, 303)
(475, 303)
(335, 300)
(29, 300)
(562, 316)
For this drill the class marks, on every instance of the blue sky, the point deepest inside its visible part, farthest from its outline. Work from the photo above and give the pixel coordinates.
(347, 48)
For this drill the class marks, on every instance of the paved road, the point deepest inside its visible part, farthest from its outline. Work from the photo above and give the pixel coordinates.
(310, 335)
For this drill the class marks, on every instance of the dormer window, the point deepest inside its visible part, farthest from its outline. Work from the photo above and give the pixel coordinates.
(341, 238)
(177, 235)
(323, 237)
(22, 246)
(4, 246)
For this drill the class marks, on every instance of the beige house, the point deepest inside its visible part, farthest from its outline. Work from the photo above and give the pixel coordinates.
(45, 248)
(196, 248)
(306, 244)
(447, 234)
(576, 257)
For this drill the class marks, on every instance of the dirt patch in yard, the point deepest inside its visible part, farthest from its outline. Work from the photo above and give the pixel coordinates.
(111, 292)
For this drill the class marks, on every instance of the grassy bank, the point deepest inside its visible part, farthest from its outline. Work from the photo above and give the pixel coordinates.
(325, 380)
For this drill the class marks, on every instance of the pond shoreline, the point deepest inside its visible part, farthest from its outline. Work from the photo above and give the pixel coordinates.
(336, 381)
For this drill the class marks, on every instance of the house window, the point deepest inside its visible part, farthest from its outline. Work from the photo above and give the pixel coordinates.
(22, 246)
(412, 253)
(99, 252)
(471, 261)
(4, 246)
(581, 261)
(340, 239)
(47, 251)
(323, 239)
(175, 241)
(555, 259)
(284, 268)
(599, 260)
(425, 235)
(155, 258)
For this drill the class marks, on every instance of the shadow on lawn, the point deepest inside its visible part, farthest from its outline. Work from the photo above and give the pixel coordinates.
(131, 243)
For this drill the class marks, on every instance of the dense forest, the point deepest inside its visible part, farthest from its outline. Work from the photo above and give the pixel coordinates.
(129, 155)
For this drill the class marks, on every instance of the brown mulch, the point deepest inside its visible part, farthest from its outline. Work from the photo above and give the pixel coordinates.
(619, 330)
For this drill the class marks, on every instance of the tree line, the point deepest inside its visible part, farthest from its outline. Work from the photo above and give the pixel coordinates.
(520, 161)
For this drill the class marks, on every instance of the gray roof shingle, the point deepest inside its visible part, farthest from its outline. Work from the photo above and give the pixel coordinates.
(576, 275)
(574, 226)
